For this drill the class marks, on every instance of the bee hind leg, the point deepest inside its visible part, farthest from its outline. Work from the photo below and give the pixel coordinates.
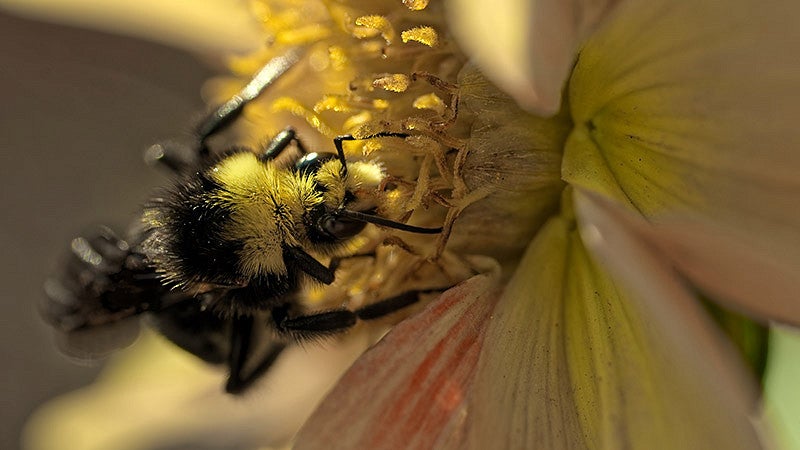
(240, 352)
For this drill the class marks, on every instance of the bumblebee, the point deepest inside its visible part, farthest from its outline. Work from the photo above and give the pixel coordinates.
(220, 257)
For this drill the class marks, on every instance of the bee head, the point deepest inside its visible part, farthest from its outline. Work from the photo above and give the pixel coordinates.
(357, 190)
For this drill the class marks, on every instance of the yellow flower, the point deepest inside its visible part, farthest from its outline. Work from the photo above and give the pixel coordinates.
(657, 162)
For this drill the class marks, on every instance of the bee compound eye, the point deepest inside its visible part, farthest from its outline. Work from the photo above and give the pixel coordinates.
(342, 228)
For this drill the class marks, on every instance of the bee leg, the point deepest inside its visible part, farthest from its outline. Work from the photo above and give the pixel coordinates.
(280, 142)
(178, 157)
(390, 305)
(337, 142)
(312, 326)
(241, 349)
(336, 261)
(335, 321)
(308, 264)
(229, 111)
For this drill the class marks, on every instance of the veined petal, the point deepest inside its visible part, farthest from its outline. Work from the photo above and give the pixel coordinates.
(409, 390)
(574, 360)
(527, 47)
(690, 108)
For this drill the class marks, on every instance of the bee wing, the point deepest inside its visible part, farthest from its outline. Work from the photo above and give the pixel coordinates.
(90, 344)
(93, 302)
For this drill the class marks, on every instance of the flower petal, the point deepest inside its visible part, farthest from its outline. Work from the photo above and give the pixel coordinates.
(727, 265)
(730, 267)
(573, 360)
(226, 25)
(158, 396)
(690, 108)
(408, 391)
(527, 47)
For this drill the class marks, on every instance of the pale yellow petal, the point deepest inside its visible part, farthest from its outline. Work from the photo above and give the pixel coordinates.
(574, 360)
(409, 390)
(158, 396)
(208, 26)
(691, 108)
(527, 47)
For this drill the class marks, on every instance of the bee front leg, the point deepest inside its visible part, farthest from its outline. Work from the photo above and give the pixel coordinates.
(184, 157)
(228, 112)
(280, 142)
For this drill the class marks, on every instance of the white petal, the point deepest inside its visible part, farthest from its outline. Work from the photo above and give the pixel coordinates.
(729, 266)
(527, 47)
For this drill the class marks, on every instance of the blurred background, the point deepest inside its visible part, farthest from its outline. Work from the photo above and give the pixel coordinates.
(78, 108)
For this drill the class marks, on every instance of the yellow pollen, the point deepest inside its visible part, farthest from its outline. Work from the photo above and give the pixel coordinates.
(396, 82)
(430, 101)
(371, 146)
(416, 5)
(302, 35)
(423, 35)
(332, 103)
(357, 120)
(338, 57)
(371, 26)
(380, 104)
(295, 108)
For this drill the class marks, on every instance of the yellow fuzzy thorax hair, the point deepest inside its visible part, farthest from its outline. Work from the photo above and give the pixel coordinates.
(269, 205)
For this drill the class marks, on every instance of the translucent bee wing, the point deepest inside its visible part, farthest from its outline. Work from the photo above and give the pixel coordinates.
(94, 303)
(86, 345)
(409, 390)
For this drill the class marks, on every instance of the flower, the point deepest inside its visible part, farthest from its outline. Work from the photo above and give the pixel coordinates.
(681, 113)
(664, 168)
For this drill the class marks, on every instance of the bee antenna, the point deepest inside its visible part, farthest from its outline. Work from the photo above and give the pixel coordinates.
(377, 220)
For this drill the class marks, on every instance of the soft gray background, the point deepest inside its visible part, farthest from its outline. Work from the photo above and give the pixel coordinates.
(76, 110)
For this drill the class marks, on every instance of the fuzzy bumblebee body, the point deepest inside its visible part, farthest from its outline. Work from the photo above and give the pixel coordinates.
(239, 223)
(220, 259)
